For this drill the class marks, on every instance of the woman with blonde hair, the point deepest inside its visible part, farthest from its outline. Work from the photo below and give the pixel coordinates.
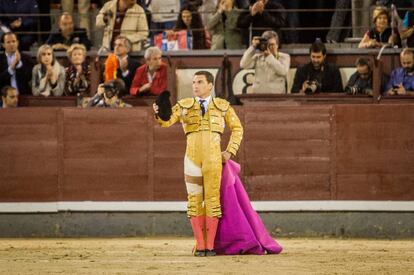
(78, 72)
(381, 33)
(48, 76)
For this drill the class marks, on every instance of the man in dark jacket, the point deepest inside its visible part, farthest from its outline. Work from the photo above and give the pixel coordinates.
(15, 67)
(360, 82)
(20, 23)
(263, 15)
(126, 66)
(68, 34)
(317, 76)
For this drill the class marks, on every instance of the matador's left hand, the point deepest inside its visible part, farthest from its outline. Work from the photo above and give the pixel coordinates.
(225, 156)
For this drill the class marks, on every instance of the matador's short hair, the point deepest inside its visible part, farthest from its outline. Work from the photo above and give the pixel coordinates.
(207, 74)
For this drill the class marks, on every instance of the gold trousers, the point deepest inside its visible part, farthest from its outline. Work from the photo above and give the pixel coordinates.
(202, 169)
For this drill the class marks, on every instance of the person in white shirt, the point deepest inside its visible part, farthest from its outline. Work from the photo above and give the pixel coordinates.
(271, 66)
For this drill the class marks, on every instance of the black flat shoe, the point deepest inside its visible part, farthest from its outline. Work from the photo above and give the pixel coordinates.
(200, 253)
(210, 252)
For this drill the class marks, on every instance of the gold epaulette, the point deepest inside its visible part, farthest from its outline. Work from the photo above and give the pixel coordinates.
(186, 103)
(221, 104)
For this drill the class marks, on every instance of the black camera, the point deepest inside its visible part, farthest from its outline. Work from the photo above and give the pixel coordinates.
(353, 90)
(110, 90)
(114, 87)
(262, 46)
(395, 88)
(314, 87)
(107, 15)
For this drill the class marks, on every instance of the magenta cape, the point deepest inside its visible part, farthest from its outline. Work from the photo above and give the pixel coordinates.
(240, 230)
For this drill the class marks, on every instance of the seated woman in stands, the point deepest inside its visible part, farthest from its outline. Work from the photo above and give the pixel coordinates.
(189, 19)
(223, 27)
(48, 76)
(381, 33)
(78, 72)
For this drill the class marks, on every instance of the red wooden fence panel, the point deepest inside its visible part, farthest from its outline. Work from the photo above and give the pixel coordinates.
(28, 155)
(301, 152)
(375, 152)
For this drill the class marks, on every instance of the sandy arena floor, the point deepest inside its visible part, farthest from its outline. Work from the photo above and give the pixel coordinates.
(173, 256)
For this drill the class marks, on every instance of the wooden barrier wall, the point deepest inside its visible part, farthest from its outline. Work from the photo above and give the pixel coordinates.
(307, 152)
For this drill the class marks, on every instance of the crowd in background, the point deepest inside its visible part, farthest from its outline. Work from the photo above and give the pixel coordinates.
(213, 24)
(261, 26)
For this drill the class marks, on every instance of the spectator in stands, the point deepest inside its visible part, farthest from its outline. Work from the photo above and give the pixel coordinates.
(150, 78)
(408, 29)
(15, 67)
(123, 17)
(78, 72)
(121, 65)
(271, 66)
(48, 76)
(83, 11)
(19, 23)
(9, 97)
(207, 10)
(292, 20)
(163, 15)
(339, 19)
(318, 76)
(68, 34)
(402, 79)
(360, 82)
(382, 33)
(108, 95)
(401, 7)
(262, 15)
(223, 27)
(189, 19)
(144, 4)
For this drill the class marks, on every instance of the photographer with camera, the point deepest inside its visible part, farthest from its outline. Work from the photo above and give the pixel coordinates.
(108, 95)
(360, 82)
(402, 79)
(318, 76)
(270, 65)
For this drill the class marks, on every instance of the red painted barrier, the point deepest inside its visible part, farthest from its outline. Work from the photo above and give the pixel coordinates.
(304, 152)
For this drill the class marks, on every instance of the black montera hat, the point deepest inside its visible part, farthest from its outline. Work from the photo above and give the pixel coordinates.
(164, 105)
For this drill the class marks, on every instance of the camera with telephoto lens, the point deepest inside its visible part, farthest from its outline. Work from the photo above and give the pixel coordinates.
(262, 46)
(314, 87)
(110, 90)
(107, 15)
(353, 90)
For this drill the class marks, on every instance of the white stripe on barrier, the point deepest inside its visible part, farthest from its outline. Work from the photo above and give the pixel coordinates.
(28, 207)
(180, 206)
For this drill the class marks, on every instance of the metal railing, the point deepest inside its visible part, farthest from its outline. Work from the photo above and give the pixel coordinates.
(36, 30)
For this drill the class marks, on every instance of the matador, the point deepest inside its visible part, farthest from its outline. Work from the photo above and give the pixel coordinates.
(204, 119)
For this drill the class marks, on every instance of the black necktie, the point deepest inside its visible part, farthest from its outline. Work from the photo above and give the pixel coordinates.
(203, 109)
